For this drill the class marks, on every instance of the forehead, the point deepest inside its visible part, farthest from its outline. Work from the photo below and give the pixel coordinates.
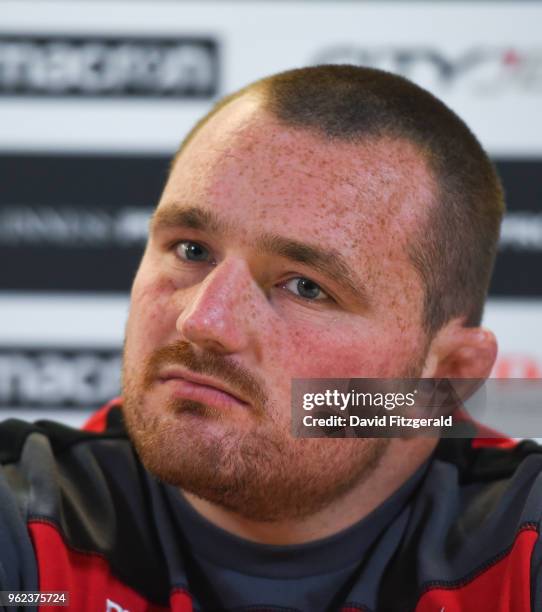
(365, 201)
(243, 162)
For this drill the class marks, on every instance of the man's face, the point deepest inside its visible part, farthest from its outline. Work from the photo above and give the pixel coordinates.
(274, 254)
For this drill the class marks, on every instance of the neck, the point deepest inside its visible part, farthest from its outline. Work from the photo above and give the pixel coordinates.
(391, 472)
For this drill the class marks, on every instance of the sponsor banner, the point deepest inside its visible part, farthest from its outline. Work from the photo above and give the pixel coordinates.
(526, 363)
(482, 58)
(60, 355)
(517, 270)
(447, 408)
(76, 223)
(50, 377)
(107, 66)
(479, 70)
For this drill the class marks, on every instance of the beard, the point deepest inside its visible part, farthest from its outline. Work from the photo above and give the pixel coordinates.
(247, 463)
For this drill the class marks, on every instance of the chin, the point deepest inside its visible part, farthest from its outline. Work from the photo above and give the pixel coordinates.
(258, 472)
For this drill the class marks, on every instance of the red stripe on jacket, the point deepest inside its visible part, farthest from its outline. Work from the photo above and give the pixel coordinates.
(504, 586)
(88, 578)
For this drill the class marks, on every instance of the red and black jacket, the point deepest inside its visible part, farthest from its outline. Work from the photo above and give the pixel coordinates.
(79, 513)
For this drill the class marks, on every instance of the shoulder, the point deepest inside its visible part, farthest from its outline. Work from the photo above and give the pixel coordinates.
(41, 461)
(56, 472)
(33, 461)
(475, 530)
(85, 500)
(16, 435)
(493, 485)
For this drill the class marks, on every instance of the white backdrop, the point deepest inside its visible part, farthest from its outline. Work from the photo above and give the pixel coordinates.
(483, 59)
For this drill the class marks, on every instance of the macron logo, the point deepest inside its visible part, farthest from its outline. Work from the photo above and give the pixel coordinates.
(111, 606)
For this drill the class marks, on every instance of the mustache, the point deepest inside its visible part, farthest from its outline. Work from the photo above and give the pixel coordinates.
(206, 362)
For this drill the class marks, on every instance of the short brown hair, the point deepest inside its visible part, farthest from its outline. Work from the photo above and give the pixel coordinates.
(455, 251)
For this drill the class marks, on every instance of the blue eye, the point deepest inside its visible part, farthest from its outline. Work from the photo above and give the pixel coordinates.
(192, 251)
(305, 288)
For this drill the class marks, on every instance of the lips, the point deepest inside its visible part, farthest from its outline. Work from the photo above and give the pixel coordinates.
(199, 388)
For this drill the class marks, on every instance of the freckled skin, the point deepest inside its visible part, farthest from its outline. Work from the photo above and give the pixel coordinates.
(362, 200)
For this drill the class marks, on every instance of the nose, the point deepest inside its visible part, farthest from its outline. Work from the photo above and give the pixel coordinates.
(220, 314)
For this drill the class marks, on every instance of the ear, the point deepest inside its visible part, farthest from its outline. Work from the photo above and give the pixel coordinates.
(457, 351)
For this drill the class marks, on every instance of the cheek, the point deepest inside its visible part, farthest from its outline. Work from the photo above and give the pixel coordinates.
(341, 351)
(152, 315)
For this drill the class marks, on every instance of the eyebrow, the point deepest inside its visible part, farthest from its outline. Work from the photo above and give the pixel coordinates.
(192, 217)
(328, 262)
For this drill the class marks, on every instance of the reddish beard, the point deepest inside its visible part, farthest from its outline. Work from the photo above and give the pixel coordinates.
(251, 466)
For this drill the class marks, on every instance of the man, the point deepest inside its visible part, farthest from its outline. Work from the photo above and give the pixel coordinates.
(325, 222)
